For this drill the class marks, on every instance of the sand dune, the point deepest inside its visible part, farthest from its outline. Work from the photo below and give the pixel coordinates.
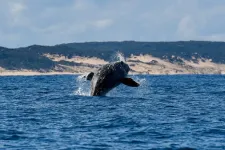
(142, 64)
(78, 59)
(152, 65)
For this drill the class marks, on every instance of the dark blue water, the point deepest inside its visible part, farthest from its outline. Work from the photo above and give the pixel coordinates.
(165, 112)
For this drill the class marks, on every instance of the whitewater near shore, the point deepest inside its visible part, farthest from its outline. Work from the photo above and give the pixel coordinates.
(141, 64)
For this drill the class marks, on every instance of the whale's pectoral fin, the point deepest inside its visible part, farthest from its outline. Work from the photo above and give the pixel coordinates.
(129, 82)
(90, 76)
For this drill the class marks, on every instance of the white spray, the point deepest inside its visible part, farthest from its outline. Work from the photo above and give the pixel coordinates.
(83, 86)
(118, 56)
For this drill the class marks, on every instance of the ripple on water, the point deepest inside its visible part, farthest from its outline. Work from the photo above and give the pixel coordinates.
(165, 112)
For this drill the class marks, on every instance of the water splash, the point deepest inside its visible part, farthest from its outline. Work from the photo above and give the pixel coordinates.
(83, 86)
(118, 56)
(140, 91)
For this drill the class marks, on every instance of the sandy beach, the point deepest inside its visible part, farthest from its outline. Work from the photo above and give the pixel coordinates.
(142, 64)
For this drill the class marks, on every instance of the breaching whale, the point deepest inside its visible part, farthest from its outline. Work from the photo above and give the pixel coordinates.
(108, 77)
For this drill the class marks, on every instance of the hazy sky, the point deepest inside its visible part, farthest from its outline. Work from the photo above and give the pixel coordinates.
(50, 22)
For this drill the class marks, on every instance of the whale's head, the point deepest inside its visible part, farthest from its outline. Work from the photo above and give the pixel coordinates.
(122, 66)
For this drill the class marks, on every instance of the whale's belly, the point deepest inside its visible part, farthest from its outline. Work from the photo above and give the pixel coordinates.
(102, 85)
(104, 82)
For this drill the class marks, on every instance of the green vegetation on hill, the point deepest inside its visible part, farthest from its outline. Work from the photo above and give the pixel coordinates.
(32, 57)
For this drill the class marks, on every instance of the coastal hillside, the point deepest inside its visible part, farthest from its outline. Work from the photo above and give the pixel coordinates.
(182, 57)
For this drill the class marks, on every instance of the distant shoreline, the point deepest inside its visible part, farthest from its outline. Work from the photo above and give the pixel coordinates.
(153, 58)
(139, 64)
(19, 73)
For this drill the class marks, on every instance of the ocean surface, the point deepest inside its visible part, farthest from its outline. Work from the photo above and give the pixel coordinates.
(165, 112)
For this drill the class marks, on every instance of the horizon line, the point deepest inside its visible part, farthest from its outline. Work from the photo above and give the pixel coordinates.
(112, 41)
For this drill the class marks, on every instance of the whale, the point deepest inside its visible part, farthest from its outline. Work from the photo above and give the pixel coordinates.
(108, 77)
